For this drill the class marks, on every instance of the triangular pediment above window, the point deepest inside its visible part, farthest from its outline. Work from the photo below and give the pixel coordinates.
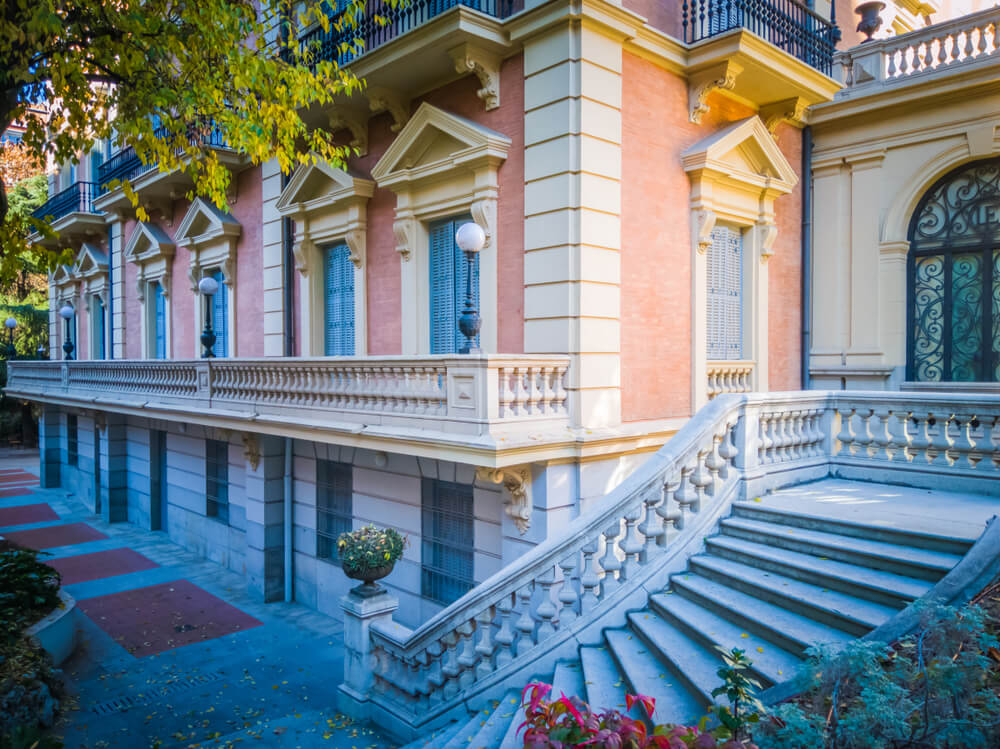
(744, 151)
(91, 262)
(63, 275)
(204, 223)
(320, 185)
(435, 141)
(148, 242)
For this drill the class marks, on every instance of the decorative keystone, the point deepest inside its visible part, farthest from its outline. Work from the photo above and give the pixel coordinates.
(485, 65)
(517, 481)
(721, 77)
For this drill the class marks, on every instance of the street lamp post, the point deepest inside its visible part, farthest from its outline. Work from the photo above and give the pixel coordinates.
(470, 239)
(66, 313)
(10, 323)
(208, 287)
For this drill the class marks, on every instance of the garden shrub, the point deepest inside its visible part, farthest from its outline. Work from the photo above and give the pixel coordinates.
(29, 591)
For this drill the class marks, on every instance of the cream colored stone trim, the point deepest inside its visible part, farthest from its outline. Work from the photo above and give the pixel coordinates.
(358, 127)
(329, 205)
(441, 165)
(516, 482)
(211, 237)
(470, 58)
(396, 104)
(153, 252)
(91, 271)
(721, 77)
(735, 174)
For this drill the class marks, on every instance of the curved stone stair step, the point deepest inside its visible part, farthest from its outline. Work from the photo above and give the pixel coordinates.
(602, 678)
(771, 663)
(876, 585)
(645, 674)
(440, 736)
(954, 545)
(910, 561)
(854, 615)
(786, 629)
(487, 728)
(568, 680)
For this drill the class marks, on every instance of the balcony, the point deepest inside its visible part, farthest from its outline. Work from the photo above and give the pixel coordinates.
(158, 187)
(71, 213)
(787, 24)
(473, 407)
(962, 51)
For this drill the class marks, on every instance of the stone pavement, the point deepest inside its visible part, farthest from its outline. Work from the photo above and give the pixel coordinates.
(173, 653)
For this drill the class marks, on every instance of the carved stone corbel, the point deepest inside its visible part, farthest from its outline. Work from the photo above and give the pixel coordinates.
(100, 420)
(251, 449)
(721, 77)
(768, 231)
(517, 481)
(704, 225)
(140, 286)
(405, 233)
(383, 100)
(355, 240)
(357, 126)
(484, 213)
(486, 66)
(791, 110)
(194, 274)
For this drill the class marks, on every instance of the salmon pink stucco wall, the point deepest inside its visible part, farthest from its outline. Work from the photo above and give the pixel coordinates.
(656, 245)
(383, 269)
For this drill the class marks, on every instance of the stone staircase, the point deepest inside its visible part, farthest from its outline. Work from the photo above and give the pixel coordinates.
(771, 581)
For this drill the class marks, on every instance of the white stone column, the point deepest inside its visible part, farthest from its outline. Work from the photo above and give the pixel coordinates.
(117, 259)
(572, 225)
(273, 280)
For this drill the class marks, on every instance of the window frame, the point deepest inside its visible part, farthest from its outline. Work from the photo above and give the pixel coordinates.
(332, 489)
(72, 440)
(341, 248)
(435, 575)
(216, 502)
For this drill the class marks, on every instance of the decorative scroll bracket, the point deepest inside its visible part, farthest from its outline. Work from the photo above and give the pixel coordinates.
(721, 77)
(383, 100)
(251, 449)
(404, 230)
(302, 250)
(705, 219)
(486, 66)
(768, 234)
(517, 481)
(358, 127)
(792, 111)
(355, 240)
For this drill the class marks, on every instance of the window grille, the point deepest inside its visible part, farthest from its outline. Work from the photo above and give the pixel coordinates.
(72, 440)
(724, 319)
(338, 273)
(447, 541)
(220, 317)
(448, 273)
(334, 506)
(217, 480)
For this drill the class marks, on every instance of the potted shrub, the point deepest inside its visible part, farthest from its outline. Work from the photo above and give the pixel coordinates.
(369, 554)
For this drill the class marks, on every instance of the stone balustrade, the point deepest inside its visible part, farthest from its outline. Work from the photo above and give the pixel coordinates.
(729, 377)
(933, 49)
(568, 588)
(463, 395)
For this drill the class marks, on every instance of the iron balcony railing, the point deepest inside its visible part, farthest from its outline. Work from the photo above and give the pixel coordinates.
(77, 198)
(126, 165)
(370, 32)
(786, 24)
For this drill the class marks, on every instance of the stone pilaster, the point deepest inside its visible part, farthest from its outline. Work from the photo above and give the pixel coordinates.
(265, 469)
(359, 615)
(113, 489)
(274, 295)
(49, 447)
(118, 289)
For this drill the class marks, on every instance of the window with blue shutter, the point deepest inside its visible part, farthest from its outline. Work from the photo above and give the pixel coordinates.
(159, 322)
(96, 159)
(338, 313)
(220, 317)
(100, 327)
(448, 271)
(724, 319)
(447, 543)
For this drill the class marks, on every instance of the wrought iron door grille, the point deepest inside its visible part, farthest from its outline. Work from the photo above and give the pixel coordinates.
(72, 440)
(953, 279)
(334, 506)
(217, 480)
(447, 541)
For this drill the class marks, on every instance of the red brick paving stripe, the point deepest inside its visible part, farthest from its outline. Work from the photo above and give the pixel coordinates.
(100, 564)
(24, 514)
(55, 535)
(21, 491)
(17, 478)
(151, 620)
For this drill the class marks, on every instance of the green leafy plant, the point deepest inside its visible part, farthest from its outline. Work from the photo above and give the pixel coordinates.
(938, 687)
(740, 689)
(29, 590)
(369, 548)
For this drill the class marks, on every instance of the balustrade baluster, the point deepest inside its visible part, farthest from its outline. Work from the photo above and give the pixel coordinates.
(941, 441)
(467, 656)
(764, 441)
(686, 496)
(450, 668)
(928, 56)
(920, 445)
(981, 46)
(590, 578)
(891, 66)
(727, 451)
(525, 623)
(631, 544)
(610, 562)
(880, 437)
(435, 659)
(714, 463)
(506, 635)
(944, 47)
(669, 514)
(700, 479)
(486, 645)
(568, 594)
(899, 436)
(651, 528)
(969, 49)
(964, 448)
(546, 610)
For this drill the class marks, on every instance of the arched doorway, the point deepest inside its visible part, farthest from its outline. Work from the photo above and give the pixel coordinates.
(953, 278)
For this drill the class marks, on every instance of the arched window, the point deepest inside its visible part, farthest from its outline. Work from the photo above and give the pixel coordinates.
(953, 278)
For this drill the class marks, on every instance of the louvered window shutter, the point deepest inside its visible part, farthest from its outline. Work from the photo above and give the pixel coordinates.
(725, 295)
(447, 282)
(447, 540)
(160, 323)
(101, 328)
(220, 317)
(96, 159)
(339, 301)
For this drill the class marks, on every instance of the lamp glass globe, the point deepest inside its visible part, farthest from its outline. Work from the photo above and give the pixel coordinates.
(470, 237)
(208, 286)
(66, 312)
(10, 323)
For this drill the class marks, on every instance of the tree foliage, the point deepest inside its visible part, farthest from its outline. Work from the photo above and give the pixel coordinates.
(159, 75)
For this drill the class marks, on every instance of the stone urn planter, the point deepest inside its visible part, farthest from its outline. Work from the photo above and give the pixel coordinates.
(871, 21)
(369, 554)
(369, 576)
(57, 632)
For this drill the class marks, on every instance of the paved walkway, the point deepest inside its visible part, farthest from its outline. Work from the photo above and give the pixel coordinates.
(172, 652)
